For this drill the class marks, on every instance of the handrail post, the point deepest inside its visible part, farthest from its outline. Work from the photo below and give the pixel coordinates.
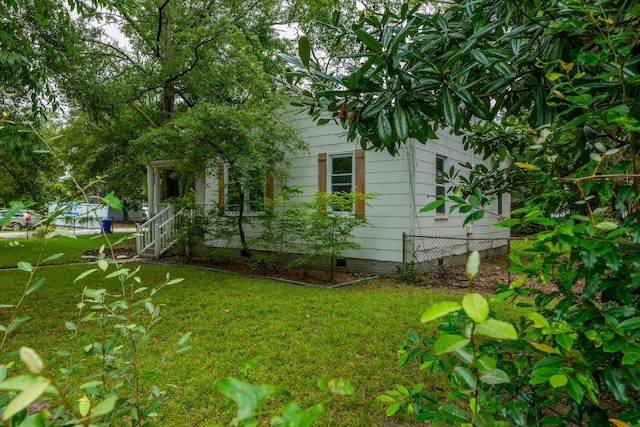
(138, 239)
(158, 243)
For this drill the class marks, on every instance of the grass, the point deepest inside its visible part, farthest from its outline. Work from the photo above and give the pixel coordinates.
(29, 250)
(297, 335)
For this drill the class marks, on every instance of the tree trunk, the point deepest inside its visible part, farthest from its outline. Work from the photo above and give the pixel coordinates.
(168, 90)
(243, 240)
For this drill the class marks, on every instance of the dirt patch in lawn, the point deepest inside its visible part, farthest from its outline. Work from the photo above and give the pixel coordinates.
(492, 271)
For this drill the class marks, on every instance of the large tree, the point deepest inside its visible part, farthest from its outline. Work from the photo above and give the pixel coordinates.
(553, 88)
(173, 60)
(37, 40)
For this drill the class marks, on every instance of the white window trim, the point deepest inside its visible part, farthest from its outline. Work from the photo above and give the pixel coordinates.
(330, 157)
(440, 215)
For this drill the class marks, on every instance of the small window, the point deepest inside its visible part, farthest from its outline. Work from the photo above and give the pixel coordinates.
(341, 174)
(341, 177)
(441, 189)
(254, 195)
(500, 204)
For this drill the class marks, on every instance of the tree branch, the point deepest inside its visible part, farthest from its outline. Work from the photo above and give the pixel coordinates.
(144, 115)
(209, 40)
(159, 33)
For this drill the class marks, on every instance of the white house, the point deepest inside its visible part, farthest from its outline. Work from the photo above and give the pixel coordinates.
(403, 185)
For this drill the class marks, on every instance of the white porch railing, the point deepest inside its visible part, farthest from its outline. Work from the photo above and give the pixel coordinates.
(156, 235)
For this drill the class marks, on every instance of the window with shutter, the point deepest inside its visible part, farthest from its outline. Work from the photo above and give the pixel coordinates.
(343, 173)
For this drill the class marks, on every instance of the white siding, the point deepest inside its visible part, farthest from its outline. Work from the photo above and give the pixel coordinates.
(388, 213)
(451, 224)
(402, 184)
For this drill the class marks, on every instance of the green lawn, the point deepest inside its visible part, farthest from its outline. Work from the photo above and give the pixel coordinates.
(29, 250)
(298, 335)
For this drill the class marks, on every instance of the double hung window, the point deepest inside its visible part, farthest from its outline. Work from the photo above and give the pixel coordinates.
(251, 195)
(341, 179)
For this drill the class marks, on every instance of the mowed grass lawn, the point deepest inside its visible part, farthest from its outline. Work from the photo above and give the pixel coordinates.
(296, 334)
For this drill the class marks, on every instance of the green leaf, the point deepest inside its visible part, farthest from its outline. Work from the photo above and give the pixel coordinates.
(565, 341)
(553, 76)
(401, 122)
(539, 321)
(85, 274)
(542, 114)
(247, 396)
(496, 329)
(495, 376)
(473, 264)
(527, 166)
(385, 131)
(112, 201)
(35, 285)
(632, 323)
(293, 415)
(374, 108)
(449, 107)
(439, 309)
(304, 50)
(25, 266)
(607, 225)
(558, 380)
(25, 398)
(465, 379)
(575, 390)
(385, 398)
(615, 384)
(577, 121)
(449, 343)
(104, 407)
(103, 264)
(23, 382)
(475, 306)
(484, 363)
(52, 258)
(369, 40)
(17, 322)
(455, 414)
(433, 205)
(392, 409)
(184, 338)
(84, 404)
(32, 360)
(122, 271)
(631, 373)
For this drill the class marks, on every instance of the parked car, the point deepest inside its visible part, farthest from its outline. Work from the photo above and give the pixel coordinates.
(21, 219)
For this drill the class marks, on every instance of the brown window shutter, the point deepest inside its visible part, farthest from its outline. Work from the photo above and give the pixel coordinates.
(322, 177)
(221, 189)
(359, 178)
(322, 172)
(268, 193)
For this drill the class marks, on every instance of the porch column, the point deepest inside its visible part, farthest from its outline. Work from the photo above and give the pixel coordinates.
(156, 189)
(150, 191)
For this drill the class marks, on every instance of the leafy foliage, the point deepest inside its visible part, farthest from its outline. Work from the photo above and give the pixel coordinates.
(549, 90)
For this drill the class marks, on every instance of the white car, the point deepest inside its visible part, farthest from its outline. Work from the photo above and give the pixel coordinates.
(21, 219)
